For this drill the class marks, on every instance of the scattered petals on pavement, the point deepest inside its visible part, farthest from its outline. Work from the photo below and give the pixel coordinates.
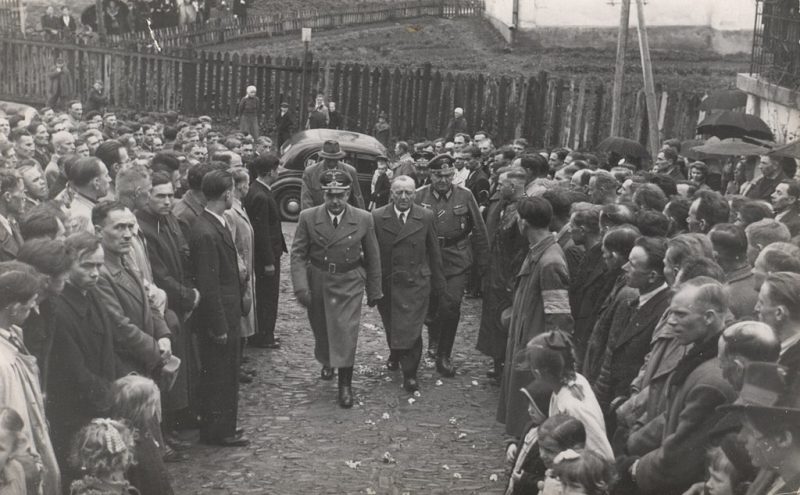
(352, 464)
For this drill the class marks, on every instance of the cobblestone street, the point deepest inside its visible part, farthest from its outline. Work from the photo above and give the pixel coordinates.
(444, 441)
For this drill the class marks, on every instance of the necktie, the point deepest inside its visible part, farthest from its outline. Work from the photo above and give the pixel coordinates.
(15, 231)
(335, 222)
(403, 217)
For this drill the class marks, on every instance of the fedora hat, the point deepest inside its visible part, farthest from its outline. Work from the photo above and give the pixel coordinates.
(331, 150)
(767, 390)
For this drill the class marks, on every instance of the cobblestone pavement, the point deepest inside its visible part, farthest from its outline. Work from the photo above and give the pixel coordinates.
(446, 441)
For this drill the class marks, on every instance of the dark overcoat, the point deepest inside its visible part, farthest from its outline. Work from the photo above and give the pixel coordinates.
(82, 367)
(628, 344)
(216, 274)
(137, 325)
(507, 250)
(690, 417)
(335, 309)
(265, 218)
(590, 286)
(410, 264)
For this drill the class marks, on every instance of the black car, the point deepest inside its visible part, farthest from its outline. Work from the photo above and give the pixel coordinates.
(302, 150)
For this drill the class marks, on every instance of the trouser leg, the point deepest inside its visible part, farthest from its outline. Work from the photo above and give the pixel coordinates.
(450, 312)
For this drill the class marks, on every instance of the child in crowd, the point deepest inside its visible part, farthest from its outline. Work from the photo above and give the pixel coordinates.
(551, 359)
(104, 450)
(580, 472)
(725, 476)
(12, 440)
(538, 448)
(137, 400)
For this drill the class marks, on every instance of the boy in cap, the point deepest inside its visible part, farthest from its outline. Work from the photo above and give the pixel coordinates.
(284, 125)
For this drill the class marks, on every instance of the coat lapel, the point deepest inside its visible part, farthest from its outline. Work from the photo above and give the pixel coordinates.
(390, 222)
(413, 223)
(225, 233)
(323, 225)
(347, 227)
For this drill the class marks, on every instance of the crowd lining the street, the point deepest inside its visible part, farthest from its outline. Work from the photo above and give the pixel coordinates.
(643, 319)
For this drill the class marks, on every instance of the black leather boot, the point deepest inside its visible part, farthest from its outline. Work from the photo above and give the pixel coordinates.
(345, 387)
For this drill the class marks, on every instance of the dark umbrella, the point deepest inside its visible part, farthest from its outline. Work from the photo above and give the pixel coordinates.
(727, 99)
(729, 124)
(792, 150)
(730, 147)
(624, 147)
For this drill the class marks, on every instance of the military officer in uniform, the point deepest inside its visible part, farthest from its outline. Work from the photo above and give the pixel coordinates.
(334, 256)
(410, 264)
(421, 159)
(457, 216)
(311, 192)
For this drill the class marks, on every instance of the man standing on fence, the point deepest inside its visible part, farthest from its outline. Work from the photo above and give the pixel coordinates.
(248, 111)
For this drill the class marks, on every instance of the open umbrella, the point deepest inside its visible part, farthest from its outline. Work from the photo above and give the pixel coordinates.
(730, 147)
(791, 150)
(687, 148)
(623, 147)
(726, 99)
(729, 124)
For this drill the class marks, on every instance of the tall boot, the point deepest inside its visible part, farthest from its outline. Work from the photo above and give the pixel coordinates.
(446, 340)
(433, 337)
(346, 387)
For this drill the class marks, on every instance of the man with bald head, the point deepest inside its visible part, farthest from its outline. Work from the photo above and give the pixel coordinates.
(412, 267)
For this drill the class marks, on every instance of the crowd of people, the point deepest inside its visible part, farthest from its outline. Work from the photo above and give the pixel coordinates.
(643, 320)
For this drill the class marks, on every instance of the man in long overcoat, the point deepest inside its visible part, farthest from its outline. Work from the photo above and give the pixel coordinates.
(334, 256)
(217, 318)
(507, 250)
(411, 263)
(541, 304)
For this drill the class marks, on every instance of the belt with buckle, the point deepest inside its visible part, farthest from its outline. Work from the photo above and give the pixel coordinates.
(452, 241)
(336, 267)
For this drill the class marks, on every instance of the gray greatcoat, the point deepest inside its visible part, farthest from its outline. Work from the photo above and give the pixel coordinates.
(336, 296)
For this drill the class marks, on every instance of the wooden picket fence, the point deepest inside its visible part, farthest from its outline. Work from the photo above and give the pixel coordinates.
(226, 29)
(546, 110)
(10, 11)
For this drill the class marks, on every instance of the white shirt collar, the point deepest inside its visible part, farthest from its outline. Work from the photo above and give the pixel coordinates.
(643, 298)
(218, 217)
(398, 212)
(264, 183)
(337, 217)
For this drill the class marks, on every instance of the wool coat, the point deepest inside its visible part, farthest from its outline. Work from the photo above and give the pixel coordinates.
(540, 298)
(216, 271)
(137, 325)
(335, 308)
(628, 344)
(242, 232)
(82, 368)
(507, 250)
(411, 264)
(690, 417)
(587, 291)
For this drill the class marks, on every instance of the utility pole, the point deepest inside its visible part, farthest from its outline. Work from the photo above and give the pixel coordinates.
(649, 86)
(305, 36)
(619, 68)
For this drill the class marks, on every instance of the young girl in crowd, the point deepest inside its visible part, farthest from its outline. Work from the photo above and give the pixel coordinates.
(538, 448)
(137, 400)
(12, 440)
(551, 359)
(103, 451)
(580, 472)
(725, 476)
